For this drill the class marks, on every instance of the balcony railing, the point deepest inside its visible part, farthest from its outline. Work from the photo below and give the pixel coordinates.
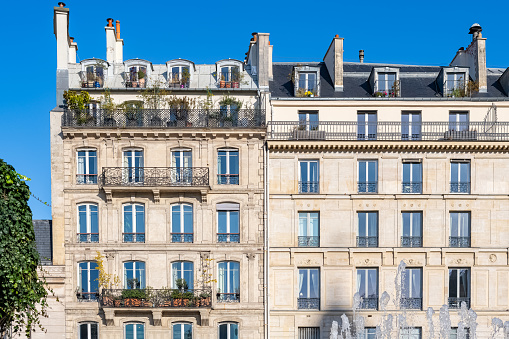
(228, 237)
(369, 303)
(459, 241)
(88, 237)
(388, 130)
(411, 241)
(308, 186)
(308, 303)
(227, 179)
(133, 237)
(309, 241)
(155, 176)
(182, 237)
(367, 187)
(164, 118)
(86, 179)
(411, 187)
(455, 302)
(87, 296)
(411, 303)
(367, 241)
(228, 297)
(460, 187)
(164, 298)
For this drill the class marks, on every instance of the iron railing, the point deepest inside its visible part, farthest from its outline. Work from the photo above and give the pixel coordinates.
(308, 186)
(367, 241)
(182, 237)
(308, 303)
(228, 237)
(460, 187)
(412, 241)
(86, 179)
(459, 241)
(228, 297)
(388, 131)
(411, 303)
(87, 237)
(166, 298)
(155, 176)
(164, 118)
(455, 302)
(309, 241)
(411, 187)
(87, 296)
(370, 303)
(367, 187)
(227, 179)
(133, 237)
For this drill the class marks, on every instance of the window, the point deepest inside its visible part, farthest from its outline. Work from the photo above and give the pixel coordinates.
(309, 229)
(136, 77)
(367, 286)
(369, 333)
(228, 167)
(368, 176)
(87, 167)
(412, 229)
(229, 331)
(229, 281)
(88, 285)
(459, 287)
(458, 121)
(309, 289)
(460, 176)
(182, 167)
(88, 223)
(367, 235)
(94, 77)
(228, 222)
(308, 82)
(460, 229)
(308, 176)
(182, 331)
(182, 270)
(308, 121)
(411, 290)
(180, 76)
(386, 85)
(134, 331)
(182, 223)
(134, 275)
(455, 84)
(411, 126)
(88, 330)
(134, 223)
(133, 172)
(410, 333)
(230, 77)
(459, 332)
(412, 177)
(366, 125)
(309, 332)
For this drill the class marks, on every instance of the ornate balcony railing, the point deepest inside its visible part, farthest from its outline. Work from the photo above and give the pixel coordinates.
(411, 187)
(308, 303)
(87, 237)
(388, 130)
(367, 241)
(228, 297)
(173, 118)
(133, 237)
(182, 237)
(227, 179)
(459, 241)
(87, 296)
(411, 241)
(164, 298)
(367, 187)
(86, 179)
(369, 303)
(155, 176)
(308, 186)
(455, 302)
(411, 303)
(228, 237)
(460, 187)
(309, 241)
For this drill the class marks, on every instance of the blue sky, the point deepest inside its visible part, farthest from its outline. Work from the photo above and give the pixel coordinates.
(406, 32)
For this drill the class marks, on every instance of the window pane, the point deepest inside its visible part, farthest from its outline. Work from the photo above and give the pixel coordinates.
(128, 219)
(314, 226)
(140, 219)
(303, 284)
(463, 283)
(140, 331)
(361, 282)
(188, 219)
(304, 175)
(372, 224)
(94, 222)
(221, 162)
(372, 175)
(82, 219)
(222, 217)
(188, 274)
(223, 331)
(454, 224)
(416, 224)
(177, 332)
(406, 172)
(362, 224)
(454, 172)
(234, 277)
(464, 172)
(175, 219)
(94, 276)
(362, 171)
(234, 222)
(453, 283)
(234, 162)
(92, 162)
(314, 282)
(406, 224)
(372, 283)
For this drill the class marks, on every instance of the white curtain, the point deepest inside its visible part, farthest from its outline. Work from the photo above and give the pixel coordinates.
(314, 281)
(301, 280)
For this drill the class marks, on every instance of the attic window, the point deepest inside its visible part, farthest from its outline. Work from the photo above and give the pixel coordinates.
(306, 81)
(229, 77)
(455, 84)
(136, 77)
(180, 77)
(386, 85)
(93, 76)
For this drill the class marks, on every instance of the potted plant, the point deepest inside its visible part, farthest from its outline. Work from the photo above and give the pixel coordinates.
(134, 297)
(222, 83)
(187, 298)
(165, 297)
(78, 103)
(176, 296)
(237, 78)
(141, 78)
(204, 299)
(184, 82)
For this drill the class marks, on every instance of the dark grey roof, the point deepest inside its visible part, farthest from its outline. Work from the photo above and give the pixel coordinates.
(415, 81)
(43, 240)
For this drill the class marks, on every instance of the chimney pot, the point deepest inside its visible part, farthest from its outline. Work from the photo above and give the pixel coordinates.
(110, 22)
(118, 29)
(61, 4)
(361, 56)
(71, 38)
(337, 36)
(475, 30)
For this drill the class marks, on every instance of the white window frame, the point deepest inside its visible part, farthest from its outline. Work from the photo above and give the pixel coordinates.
(297, 71)
(366, 222)
(308, 281)
(367, 173)
(459, 174)
(182, 270)
(411, 226)
(228, 274)
(182, 333)
(229, 323)
(135, 268)
(133, 216)
(135, 335)
(460, 213)
(181, 156)
(409, 270)
(86, 163)
(366, 279)
(88, 269)
(228, 167)
(89, 329)
(309, 228)
(386, 80)
(88, 216)
(181, 212)
(308, 163)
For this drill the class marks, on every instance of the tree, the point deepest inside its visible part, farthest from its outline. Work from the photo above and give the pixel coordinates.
(22, 292)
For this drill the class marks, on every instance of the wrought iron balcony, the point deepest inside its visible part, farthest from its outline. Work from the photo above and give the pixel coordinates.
(309, 241)
(455, 302)
(88, 237)
(164, 298)
(367, 241)
(411, 303)
(86, 179)
(182, 237)
(367, 187)
(412, 241)
(164, 118)
(308, 186)
(308, 303)
(460, 187)
(459, 241)
(228, 237)
(370, 303)
(411, 187)
(227, 179)
(228, 297)
(133, 237)
(87, 296)
(155, 176)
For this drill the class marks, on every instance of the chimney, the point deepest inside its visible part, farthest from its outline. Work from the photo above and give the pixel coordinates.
(110, 41)
(73, 49)
(61, 30)
(334, 62)
(119, 46)
(264, 59)
(361, 56)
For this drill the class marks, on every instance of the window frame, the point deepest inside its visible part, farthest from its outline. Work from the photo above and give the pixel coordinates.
(367, 228)
(409, 186)
(458, 125)
(409, 279)
(87, 177)
(409, 334)
(366, 271)
(89, 287)
(229, 237)
(90, 238)
(310, 236)
(134, 269)
(134, 219)
(368, 124)
(182, 236)
(228, 329)
(410, 126)
(89, 329)
(308, 185)
(230, 295)
(411, 232)
(182, 270)
(135, 330)
(459, 227)
(305, 70)
(232, 178)
(182, 329)
(367, 182)
(458, 283)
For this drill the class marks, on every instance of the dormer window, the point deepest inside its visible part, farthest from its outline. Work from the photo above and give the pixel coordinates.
(230, 73)
(306, 81)
(455, 84)
(180, 76)
(93, 73)
(136, 77)
(385, 82)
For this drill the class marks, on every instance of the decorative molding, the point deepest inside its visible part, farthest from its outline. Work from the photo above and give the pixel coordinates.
(109, 195)
(157, 196)
(493, 257)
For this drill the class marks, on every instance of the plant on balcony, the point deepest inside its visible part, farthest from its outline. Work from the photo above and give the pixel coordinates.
(154, 97)
(106, 280)
(133, 297)
(222, 82)
(141, 78)
(380, 94)
(185, 78)
(302, 93)
(78, 103)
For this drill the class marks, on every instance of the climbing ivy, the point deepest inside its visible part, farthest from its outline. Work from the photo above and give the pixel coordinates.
(22, 292)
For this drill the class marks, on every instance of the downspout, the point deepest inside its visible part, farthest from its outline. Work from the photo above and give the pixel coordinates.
(266, 246)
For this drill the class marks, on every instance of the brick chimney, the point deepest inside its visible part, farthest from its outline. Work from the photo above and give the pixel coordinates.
(334, 62)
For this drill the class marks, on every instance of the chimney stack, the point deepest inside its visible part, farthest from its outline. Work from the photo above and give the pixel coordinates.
(73, 49)
(61, 30)
(111, 41)
(119, 46)
(264, 58)
(361, 56)
(334, 62)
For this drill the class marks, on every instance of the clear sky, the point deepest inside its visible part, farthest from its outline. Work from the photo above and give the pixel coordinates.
(405, 32)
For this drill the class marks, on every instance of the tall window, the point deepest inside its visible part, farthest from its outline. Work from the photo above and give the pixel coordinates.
(134, 331)
(137, 77)
(182, 270)
(87, 283)
(308, 176)
(460, 176)
(455, 84)
(411, 290)
(182, 331)
(134, 223)
(307, 82)
(133, 167)
(228, 222)
(411, 126)
(94, 76)
(87, 167)
(410, 333)
(369, 333)
(458, 121)
(412, 177)
(229, 281)
(182, 167)
(309, 288)
(366, 126)
(180, 76)
(88, 330)
(134, 274)
(182, 223)
(412, 229)
(88, 223)
(367, 286)
(309, 332)
(460, 229)
(368, 176)
(367, 235)
(459, 287)
(308, 120)
(228, 331)
(385, 85)
(228, 167)
(309, 229)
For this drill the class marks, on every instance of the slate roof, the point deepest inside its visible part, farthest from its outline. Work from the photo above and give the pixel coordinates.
(415, 81)
(43, 240)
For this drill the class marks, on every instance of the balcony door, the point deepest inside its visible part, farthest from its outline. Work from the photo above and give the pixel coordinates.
(366, 126)
(458, 121)
(367, 286)
(308, 176)
(182, 163)
(411, 126)
(133, 171)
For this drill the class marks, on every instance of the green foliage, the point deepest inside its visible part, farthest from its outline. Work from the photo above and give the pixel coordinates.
(22, 292)
(181, 284)
(154, 97)
(134, 294)
(227, 100)
(76, 101)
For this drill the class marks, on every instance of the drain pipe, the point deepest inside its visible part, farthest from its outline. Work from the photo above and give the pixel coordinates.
(266, 249)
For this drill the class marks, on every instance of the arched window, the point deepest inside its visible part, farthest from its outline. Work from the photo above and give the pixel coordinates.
(88, 285)
(182, 331)
(134, 274)
(228, 330)
(180, 73)
(229, 281)
(88, 223)
(181, 223)
(134, 331)
(137, 72)
(87, 167)
(134, 223)
(182, 270)
(228, 166)
(228, 222)
(88, 330)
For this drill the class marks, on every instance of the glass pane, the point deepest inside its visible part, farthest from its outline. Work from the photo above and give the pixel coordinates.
(416, 172)
(454, 224)
(406, 172)
(234, 277)
(314, 282)
(234, 162)
(304, 175)
(82, 219)
(84, 331)
(303, 284)
(188, 219)
(416, 283)
(140, 219)
(372, 175)
(463, 292)
(372, 224)
(222, 217)
(464, 172)
(302, 80)
(362, 232)
(140, 274)
(94, 222)
(361, 282)
(128, 219)
(416, 224)
(406, 224)
(313, 171)
(463, 229)
(177, 331)
(234, 222)
(234, 331)
(314, 226)
(362, 171)
(372, 284)
(84, 277)
(222, 281)
(140, 329)
(454, 172)
(225, 74)
(92, 163)
(175, 219)
(221, 162)
(303, 224)
(453, 283)
(189, 274)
